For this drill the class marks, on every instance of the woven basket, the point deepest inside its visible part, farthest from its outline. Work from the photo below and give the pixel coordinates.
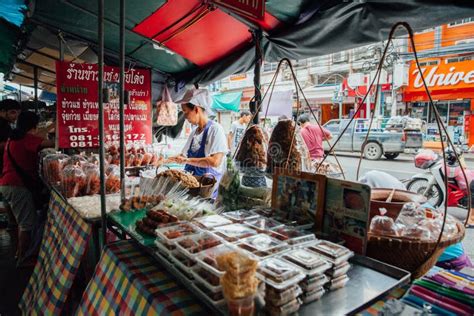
(207, 183)
(408, 253)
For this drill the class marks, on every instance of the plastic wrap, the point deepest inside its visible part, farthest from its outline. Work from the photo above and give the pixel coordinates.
(263, 224)
(279, 274)
(212, 221)
(309, 262)
(76, 160)
(334, 253)
(73, 181)
(53, 166)
(234, 232)
(112, 182)
(240, 216)
(262, 245)
(410, 214)
(292, 235)
(92, 179)
(383, 226)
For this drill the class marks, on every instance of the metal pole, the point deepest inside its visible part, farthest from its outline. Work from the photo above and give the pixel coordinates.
(100, 32)
(61, 47)
(367, 102)
(255, 107)
(121, 97)
(35, 84)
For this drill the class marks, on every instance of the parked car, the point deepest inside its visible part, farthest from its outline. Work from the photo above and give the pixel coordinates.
(389, 143)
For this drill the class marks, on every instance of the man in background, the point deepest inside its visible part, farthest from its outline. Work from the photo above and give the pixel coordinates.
(9, 110)
(237, 130)
(313, 136)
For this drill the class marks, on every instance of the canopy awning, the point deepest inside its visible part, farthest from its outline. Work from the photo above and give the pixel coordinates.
(192, 41)
(229, 101)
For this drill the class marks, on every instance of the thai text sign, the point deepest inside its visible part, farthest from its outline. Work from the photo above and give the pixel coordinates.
(78, 107)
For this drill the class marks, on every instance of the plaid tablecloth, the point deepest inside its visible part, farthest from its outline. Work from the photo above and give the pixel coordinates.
(64, 243)
(128, 281)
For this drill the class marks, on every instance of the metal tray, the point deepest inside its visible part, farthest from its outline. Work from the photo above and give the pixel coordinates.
(370, 280)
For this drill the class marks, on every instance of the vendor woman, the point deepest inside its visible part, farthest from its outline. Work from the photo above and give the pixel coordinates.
(206, 148)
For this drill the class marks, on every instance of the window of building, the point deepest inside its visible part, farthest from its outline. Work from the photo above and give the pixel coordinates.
(458, 59)
(267, 67)
(429, 63)
(460, 22)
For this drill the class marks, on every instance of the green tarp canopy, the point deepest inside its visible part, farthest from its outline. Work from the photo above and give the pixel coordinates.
(229, 101)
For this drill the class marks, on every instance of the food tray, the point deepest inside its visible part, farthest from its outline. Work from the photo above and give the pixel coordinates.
(292, 235)
(313, 295)
(263, 224)
(308, 262)
(262, 245)
(198, 278)
(310, 284)
(240, 216)
(212, 221)
(171, 232)
(335, 253)
(234, 232)
(207, 258)
(164, 249)
(193, 244)
(279, 274)
(370, 280)
(279, 298)
(184, 270)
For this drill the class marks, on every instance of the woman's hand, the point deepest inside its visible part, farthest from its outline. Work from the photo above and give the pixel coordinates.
(178, 159)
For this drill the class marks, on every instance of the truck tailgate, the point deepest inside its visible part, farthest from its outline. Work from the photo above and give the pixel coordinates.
(414, 139)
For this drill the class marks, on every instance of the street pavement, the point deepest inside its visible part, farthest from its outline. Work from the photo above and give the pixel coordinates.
(402, 168)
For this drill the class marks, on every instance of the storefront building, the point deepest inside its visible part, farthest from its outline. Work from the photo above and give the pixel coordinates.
(451, 85)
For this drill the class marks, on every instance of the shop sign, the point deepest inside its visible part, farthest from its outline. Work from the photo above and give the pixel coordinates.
(78, 108)
(254, 9)
(443, 76)
(238, 77)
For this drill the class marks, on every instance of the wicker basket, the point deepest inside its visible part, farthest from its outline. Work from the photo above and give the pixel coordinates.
(408, 253)
(206, 186)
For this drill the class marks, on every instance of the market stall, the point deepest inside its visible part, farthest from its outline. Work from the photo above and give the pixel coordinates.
(303, 250)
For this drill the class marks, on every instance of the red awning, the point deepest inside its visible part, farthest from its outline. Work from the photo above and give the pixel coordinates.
(445, 94)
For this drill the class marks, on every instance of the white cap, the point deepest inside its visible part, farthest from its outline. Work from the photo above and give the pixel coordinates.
(198, 97)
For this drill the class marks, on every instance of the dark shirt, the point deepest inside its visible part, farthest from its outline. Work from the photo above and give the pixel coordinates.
(5, 131)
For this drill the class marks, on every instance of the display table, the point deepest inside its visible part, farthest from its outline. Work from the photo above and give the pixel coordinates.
(128, 281)
(64, 244)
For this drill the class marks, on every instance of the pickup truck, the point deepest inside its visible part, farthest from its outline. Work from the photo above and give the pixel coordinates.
(381, 142)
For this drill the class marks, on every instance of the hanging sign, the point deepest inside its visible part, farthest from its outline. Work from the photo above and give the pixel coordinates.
(254, 9)
(78, 107)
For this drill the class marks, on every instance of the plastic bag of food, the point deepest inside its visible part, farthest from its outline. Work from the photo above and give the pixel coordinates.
(383, 226)
(53, 166)
(410, 215)
(73, 181)
(286, 137)
(147, 157)
(112, 183)
(76, 160)
(92, 179)
(416, 232)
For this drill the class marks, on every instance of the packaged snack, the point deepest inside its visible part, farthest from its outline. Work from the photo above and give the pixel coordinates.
(52, 167)
(383, 226)
(112, 169)
(309, 262)
(262, 245)
(239, 279)
(279, 274)
(277, 297)
(92, 179)
(263, 224)
(410, 215)
(337, 271)
(75, 160)
(239, 216)
(313, 295)
(335, 253)
(310, 284)
(73, 181)
(234, 232)
(207, 258)
(193, 244)
(416, 232)
(284, 310)
(171, 232)
(337, 283)
(112, 183)
(292, 235)
(212, 221)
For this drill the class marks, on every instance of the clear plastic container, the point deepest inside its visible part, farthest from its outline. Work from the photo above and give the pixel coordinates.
(193, 244)
(284, 310)
(265, 212)
(309, 262)
(212, 221)
(310, 284)
(240, 216)
(278, 298)
(185, 261)
(234, 232)
(313, 295)
(171, 232)
(263, 224)
(262, 245)
(182, 267)
(73, 181)
(279, 274)
(216, 299)
(337, 283)
(337, 271)
(207, 279)
(164, 249)
(336, 254)
(242, 306)
(207, 258)
(292, 235)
